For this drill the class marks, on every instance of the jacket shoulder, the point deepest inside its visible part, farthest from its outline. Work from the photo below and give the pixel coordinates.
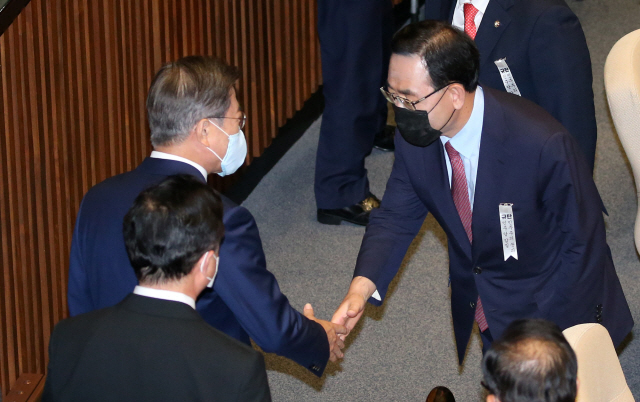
(521, 115)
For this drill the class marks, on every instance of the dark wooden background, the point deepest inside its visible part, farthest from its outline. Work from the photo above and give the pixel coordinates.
(73, 81)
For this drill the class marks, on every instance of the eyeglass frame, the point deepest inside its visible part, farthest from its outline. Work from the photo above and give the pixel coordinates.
(392, 98)
(243, 119)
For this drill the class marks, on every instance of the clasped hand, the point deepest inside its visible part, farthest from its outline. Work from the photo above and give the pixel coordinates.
(335, 333)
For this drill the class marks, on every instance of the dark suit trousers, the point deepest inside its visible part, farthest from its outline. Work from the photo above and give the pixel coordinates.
(354, 39)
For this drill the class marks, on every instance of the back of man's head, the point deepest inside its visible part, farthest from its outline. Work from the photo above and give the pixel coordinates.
(531, 362)
(449, 55)
(185, 91)
(170, 226)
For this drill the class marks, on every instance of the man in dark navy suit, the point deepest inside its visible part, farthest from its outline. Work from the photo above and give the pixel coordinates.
(540, 46)
(523, 218)
(354, 43)
(153, 345)
(196, 128)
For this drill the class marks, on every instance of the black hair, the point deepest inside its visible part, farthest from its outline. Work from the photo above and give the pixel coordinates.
(531, 362)
(449, 55)
(170, 226)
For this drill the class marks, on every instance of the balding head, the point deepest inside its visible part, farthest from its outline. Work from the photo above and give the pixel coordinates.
(532, 362)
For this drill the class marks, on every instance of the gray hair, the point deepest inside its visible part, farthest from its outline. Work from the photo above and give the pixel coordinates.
(184, 92)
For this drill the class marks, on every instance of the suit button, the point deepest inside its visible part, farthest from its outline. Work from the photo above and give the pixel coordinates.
(477, 270)
(599, 319)
(599, 306)
(315, 368)
(472, 304)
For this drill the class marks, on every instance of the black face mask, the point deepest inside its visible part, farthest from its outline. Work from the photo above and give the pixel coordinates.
(414, 125)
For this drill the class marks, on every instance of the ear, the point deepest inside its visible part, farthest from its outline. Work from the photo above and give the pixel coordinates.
(202, 130)
(492, 398)
(458, 95)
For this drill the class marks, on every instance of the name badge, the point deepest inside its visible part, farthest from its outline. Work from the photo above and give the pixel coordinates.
(507, 77)
(508, 230)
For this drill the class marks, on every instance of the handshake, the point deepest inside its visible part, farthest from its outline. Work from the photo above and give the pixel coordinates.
(346, 316)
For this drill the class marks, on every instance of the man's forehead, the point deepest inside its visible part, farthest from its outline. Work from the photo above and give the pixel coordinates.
(408, 75)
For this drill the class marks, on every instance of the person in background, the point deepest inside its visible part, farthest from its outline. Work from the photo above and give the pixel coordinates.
(354, 44)
(535, 49)
(196, 126)
(153, 345)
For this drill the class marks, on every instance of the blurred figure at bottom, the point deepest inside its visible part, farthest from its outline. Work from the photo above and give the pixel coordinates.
(440, 394)
(532, 362)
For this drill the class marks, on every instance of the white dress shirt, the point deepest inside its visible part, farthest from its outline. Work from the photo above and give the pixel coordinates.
(165, 295)
(467, 143)
(458, 13)
(162, 155)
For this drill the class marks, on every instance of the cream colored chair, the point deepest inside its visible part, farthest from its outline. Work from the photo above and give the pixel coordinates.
(599, 372)
(622, 83)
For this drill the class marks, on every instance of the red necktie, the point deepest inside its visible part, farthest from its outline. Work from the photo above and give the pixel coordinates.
(460, 193)
(469, 16)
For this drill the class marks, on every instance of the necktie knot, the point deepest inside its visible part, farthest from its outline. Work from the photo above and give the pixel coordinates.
(470, 12)
(451, 151)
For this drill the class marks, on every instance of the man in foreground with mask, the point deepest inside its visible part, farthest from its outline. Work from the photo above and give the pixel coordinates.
(522, 214)
(153, 346)
(196, 128)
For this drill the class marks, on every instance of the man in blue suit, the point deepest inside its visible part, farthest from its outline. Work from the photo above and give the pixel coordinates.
(540, 45)
(196, 128)
(521, 212)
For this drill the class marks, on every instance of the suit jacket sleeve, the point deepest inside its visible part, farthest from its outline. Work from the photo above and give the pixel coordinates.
(572, 202)
(562, 77)
(253, 294)
(78, 296)
(392, 227)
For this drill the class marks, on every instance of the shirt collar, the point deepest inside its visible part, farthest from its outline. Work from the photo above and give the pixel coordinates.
(481, 5)
(467, 140)
(163, 155)
(164, 295)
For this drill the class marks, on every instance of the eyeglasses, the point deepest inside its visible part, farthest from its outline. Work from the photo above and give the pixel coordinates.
(242, 119)
(404, 102)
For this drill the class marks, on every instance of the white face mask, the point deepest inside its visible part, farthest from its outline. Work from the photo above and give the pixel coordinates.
(236, 152)
(213, 278)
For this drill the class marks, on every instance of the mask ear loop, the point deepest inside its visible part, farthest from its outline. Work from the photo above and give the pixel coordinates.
(219, 128)
(202, 268)
(437, 103)
(225, 133)
(454, 110)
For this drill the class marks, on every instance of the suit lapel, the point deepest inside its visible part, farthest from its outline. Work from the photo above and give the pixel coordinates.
(488, 34)
(491, 170)
(437, 185)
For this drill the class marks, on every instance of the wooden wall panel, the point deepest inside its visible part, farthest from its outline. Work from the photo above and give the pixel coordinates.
(73, 81)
